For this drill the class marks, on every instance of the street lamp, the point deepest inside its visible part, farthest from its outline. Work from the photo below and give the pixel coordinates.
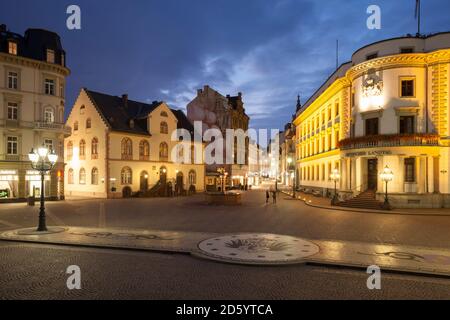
(386, 175)
(335, 176)
(43, 161)
(289, 160)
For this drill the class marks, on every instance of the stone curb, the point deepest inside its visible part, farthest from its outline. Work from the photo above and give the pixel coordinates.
(368, 211)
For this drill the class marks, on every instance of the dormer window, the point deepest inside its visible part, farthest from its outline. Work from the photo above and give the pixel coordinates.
(12, 48)
(372, 56)
(50, 56)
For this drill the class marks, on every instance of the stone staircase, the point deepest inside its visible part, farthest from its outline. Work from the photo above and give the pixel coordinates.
(365, 200)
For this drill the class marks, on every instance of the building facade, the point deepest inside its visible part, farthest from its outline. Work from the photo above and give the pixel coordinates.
(388, 107)
(121, 147)
(33, 76)
(216, 111)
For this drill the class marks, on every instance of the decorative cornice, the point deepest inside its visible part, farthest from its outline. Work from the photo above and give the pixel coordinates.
(36, 64)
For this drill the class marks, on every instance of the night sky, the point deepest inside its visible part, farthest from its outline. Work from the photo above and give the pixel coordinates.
(271, 50)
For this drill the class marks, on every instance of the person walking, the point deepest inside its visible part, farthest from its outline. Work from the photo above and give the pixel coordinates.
(274, 197)
(267, 196)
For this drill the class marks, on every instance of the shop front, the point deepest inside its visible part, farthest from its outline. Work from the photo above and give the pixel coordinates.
(9, 184)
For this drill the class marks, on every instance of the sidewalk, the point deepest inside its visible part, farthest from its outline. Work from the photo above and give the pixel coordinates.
(225, 248)
(325, 203)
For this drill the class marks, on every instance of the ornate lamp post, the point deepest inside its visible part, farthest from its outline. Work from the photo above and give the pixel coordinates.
(386, 175)
(335, 176)
(289, 160)
(43, 161)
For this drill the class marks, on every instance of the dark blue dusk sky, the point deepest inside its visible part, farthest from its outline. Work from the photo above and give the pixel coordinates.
(271, 50)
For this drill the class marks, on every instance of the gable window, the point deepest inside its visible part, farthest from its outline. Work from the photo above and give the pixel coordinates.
(49, 85)
(88, 123)
(94, 176)
(82, 109)
(70, 176)
(75, 126)
(164, 128)
(407, 88)
(13, 111)
(12, 48)
(407, 124)
(50, 56)
(410, 170)
(82, 176)
(12, 146)
(127, 149)
(49, 115)
(94, 148)
(13, 80)
(164, 114)
(126, 176)
(372, 126)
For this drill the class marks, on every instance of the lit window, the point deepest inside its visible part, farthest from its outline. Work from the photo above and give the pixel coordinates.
(82, 149)
(410, 170)
(12, 146)
(13, 80)
(49, 85)
(94, 148)
(126, 176)
(163, 152)
(127, 149)
(50, 56)
(12, 48)
(13, 111)
(69, 150)
(48, 143)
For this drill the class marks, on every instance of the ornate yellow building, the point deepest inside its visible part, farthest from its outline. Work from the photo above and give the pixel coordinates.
(387, 107)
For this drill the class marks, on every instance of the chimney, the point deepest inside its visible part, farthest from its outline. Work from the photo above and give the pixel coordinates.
(125, 101)
(240, 94)
(199, 92)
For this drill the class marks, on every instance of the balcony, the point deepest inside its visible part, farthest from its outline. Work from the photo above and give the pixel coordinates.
(395, 140)
(51, 126)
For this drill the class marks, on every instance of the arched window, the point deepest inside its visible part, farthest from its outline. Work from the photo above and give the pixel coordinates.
(126, 176)
(49, 115)
(75, 126)
(164, 128)
(82, 176)
(164, 114)
(70, 176)
(144, 150)
(163, 152)
(82, 109)
(88, 123)
(82, 150)
(69, 150)
(94, 148)
(127, 149)
(94, 176)
(192, 178)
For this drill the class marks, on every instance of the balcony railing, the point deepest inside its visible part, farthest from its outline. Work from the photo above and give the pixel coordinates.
(396, 140)
(42, 125)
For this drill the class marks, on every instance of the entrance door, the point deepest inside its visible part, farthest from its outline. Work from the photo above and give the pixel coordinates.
(372, 172)
(144, 181)
(163, 175)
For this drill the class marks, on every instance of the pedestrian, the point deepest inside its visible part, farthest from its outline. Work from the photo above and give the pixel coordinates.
(267, 196)
(274, 197)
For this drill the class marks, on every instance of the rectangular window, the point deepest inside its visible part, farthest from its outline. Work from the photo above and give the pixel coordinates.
(372, 127)
(13, 111)
(406, 50)
(13, 80)
(50, 87)
(50, 56)
(12, 48)
(12, 146)
(48, 143)
(372, 56)
(407, 88)
(407, 125)
(410, 170)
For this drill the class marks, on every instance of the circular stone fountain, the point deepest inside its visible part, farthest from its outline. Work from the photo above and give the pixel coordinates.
(223, 199)
(257, 249)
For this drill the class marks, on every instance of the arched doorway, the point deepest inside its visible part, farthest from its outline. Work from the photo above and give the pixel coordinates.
(179, 184)
(163, 175)
(126, 192)
(144, 181)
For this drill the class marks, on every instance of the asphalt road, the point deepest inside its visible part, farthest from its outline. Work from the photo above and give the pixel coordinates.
(29, 271)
